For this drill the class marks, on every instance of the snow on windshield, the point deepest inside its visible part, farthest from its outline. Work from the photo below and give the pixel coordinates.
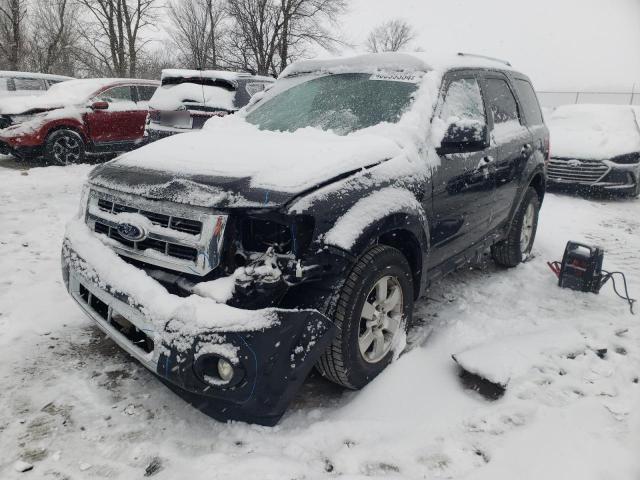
(341, 103)
(593, 132)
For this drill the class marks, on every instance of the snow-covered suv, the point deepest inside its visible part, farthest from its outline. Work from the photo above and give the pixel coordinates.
(299, 232)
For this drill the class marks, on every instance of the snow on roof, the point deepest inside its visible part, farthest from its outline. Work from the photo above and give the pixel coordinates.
(172, 97)
(213, 74)
(46, 76)
(594, 132)
(71, 92)
(400, 61)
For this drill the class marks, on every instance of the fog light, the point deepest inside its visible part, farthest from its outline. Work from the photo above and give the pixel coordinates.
(225, 370)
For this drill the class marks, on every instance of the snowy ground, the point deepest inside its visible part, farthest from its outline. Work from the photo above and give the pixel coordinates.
(73, 405)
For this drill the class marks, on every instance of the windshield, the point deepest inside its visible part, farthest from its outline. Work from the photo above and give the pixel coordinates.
(342, 103)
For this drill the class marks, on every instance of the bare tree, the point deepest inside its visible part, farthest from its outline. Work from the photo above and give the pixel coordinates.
(306, 22)
(13, 14)
(255, 35)
(53, 37)
(196, 30)
(267, 34)
(390, 36)
(113, 40)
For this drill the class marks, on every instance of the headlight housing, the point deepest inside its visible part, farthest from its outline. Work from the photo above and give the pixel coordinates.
(627, 159)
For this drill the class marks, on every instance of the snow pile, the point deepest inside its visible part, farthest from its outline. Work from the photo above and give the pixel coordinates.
(505, 358)
(593, 132)
(367, 211)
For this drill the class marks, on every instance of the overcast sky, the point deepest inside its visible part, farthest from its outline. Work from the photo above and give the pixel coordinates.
(560, 44)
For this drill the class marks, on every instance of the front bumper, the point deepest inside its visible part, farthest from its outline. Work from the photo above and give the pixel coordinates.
(593, 175)
(269, 363)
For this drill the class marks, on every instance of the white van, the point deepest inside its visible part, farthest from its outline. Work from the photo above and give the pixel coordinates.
(24, 83)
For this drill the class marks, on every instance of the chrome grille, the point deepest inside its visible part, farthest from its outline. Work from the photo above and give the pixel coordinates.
(583, 172)
(181, 238)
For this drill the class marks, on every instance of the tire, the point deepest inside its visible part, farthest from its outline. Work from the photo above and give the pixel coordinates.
(64, 147)
(516, 248)
(345, 362)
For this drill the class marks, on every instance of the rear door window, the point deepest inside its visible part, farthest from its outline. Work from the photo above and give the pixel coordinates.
(502, 103)
(23, 83)
(529, 102)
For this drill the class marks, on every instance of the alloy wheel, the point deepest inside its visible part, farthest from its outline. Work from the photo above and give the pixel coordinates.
(381, 319)
(66, 150)
(526, 234)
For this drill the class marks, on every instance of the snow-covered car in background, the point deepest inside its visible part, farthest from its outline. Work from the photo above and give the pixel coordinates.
(186, 99)
(14, 84)
(300, 231)
(76, 117)
(596, 147)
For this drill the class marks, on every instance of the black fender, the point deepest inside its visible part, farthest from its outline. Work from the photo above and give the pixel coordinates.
(406, 230)
(531, 179)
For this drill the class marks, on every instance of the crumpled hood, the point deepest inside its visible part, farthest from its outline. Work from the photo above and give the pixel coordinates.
(232, 163)
(29, 104)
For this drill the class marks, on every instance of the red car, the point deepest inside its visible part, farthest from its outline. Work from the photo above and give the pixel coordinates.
(76, 117)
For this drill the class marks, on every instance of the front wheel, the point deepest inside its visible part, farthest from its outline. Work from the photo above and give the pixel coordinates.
(372, 311)
(64, 147)
(516, 248)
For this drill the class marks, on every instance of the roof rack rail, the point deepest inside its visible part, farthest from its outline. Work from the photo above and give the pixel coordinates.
(462, 54)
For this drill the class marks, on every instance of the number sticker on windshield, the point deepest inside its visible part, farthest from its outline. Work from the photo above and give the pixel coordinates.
(407, 77)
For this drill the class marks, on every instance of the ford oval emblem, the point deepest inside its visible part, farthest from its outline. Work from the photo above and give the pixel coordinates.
(131, 232)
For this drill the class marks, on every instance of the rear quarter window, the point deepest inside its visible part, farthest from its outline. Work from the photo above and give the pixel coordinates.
(24, 83)
(529, 102)
(4, 84)
(145, 93)
(501, 101)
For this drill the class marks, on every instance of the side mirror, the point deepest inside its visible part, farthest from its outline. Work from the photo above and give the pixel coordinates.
(99, 106)
(465, 137)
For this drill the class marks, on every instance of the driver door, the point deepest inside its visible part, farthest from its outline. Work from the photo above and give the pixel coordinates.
(119, 123)
(464, 182)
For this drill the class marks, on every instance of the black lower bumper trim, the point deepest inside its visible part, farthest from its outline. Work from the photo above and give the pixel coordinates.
(273, 364)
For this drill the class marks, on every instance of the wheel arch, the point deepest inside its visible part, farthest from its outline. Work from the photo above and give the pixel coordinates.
(539, 184)
(73, 128)
(406, 231)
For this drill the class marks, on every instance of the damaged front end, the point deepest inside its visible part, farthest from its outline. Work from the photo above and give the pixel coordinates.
(202, 305)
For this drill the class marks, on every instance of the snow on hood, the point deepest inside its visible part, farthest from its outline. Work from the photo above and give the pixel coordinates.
(593, 132)
(279, 161)
(69, 93)
(172, 97)
(232, 163)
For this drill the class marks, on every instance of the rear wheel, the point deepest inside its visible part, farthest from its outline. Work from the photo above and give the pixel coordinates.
(516, 248)
(64, 147)
(371, 312)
